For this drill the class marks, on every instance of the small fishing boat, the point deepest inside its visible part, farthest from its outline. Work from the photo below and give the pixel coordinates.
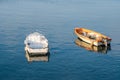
(98, 49)
(36, 44)
(92, 37)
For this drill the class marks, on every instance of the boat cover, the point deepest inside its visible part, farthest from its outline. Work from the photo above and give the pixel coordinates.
(36, 41)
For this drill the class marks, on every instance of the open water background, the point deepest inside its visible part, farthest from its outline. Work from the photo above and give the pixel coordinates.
(56, 19)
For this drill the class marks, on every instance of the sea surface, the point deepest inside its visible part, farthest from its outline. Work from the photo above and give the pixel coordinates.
(56, 19)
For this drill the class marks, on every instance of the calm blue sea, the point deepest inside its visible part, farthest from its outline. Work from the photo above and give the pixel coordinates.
(56, 19)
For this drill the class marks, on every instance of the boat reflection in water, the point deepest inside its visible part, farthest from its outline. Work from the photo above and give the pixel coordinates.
(31, 58)
(99, 49)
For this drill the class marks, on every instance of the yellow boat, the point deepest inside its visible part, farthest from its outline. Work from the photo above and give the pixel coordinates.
(98, 49)
(92, 37)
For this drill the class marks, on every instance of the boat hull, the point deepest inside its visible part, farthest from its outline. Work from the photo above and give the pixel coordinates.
(37, 58)
(42, 51)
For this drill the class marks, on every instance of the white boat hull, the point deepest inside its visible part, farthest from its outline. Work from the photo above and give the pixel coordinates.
(37, 58)
(31, 51)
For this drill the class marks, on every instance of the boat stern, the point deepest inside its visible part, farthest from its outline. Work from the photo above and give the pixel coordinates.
(42, 51)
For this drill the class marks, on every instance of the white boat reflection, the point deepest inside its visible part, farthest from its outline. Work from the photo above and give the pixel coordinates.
(31, 58)
(99, 49)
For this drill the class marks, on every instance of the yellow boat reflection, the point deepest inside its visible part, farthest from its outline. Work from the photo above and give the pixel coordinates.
(100, 49)
(44, 58)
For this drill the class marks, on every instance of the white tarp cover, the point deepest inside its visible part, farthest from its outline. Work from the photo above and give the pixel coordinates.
(36, 41)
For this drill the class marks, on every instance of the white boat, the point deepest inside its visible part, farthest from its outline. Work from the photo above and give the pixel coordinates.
(36, 44)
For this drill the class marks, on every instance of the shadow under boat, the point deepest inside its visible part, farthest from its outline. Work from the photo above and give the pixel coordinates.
(43, 58)
(98, 49)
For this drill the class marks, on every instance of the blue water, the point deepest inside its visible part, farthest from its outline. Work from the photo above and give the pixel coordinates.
(56, 19)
